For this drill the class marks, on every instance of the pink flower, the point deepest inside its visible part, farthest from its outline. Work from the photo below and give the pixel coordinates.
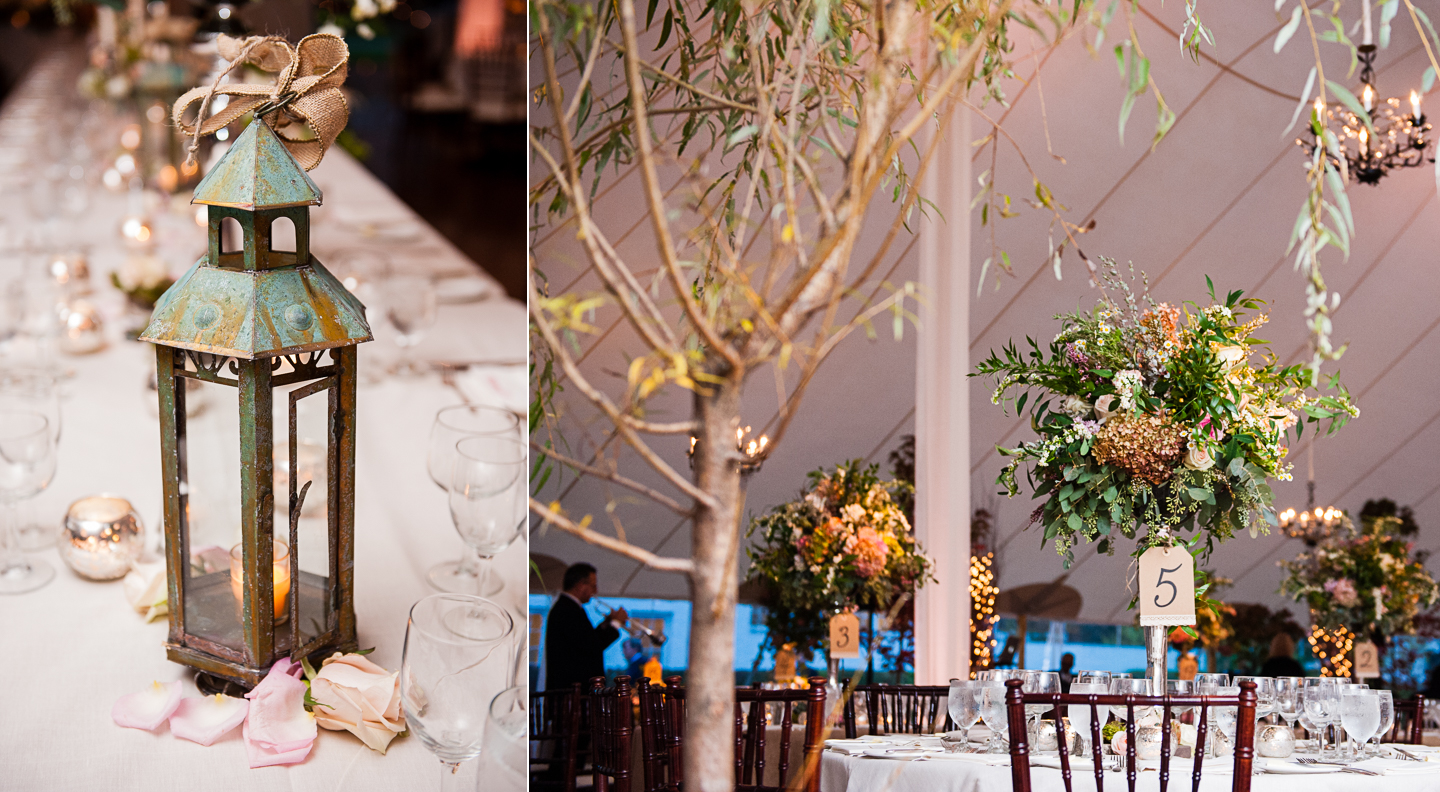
(205, 720)
(1343, 591)
(278, 730)
(360, 697)
(149, 708)
(870, 552)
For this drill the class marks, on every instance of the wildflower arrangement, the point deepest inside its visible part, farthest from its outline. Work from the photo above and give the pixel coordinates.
(844, 544)
(1169, 417)
(1365, 581)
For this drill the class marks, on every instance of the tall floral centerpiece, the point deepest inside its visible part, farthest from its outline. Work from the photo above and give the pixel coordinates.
(1370, 581)
(844, 544)
(1157, 423)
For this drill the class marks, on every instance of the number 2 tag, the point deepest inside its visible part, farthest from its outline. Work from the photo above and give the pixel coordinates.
(1367, 661)
(844, 635)
(1167, 587)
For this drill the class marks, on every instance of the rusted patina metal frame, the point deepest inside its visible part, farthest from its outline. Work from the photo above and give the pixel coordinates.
(342, 496)
(257, 245)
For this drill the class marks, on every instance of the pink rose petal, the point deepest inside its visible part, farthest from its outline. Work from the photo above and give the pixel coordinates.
(149, 708)
(205, 720)
(277, 729)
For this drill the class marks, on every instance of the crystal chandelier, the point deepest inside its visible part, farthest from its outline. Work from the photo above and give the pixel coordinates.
(1398, 138)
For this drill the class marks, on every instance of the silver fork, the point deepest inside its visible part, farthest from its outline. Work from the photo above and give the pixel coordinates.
(1343, 768)
(1404, 754)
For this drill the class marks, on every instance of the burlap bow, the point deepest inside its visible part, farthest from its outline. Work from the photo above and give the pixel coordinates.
(304, 106)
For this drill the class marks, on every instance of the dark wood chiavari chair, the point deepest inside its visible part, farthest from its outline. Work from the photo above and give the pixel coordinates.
(1409, 726)
(554, 733)
(612, 723)
(751, 736)
(899, 709)
(1015, 702)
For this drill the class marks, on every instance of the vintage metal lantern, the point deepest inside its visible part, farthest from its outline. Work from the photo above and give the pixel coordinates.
(277, 326)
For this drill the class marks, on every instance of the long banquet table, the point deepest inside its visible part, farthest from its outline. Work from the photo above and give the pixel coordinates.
(70, 649)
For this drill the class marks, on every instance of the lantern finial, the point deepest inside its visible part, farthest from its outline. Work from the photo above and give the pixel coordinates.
(257, 173)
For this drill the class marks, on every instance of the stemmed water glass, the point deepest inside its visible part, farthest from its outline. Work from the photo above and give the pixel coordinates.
(487, 498)
(1043, 682)
(27, 464)
(1387, 718)
(1320, 698)
(410, 306)
(1088, 683)
(1287, 699)
(32, 389)
(963, 706)
(1180, 687)
(453, 424)
(1360, 715)
(456, 659)
(1264, 694)
(1226, 717)
(505, 748)
(993, 712)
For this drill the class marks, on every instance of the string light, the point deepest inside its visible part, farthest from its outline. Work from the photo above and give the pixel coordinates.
(1333, 648)
(983, 592)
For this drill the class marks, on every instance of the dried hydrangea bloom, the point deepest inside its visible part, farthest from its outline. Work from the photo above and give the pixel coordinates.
(1146, 445)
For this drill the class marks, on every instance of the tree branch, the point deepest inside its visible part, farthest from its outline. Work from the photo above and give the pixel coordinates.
(649, 559)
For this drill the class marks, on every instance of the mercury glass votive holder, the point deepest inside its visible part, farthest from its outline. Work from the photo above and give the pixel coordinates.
(101, 536)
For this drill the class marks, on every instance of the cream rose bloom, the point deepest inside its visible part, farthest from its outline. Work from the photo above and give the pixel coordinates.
(355, 695)
(1075, 407)
(1198, 458)
(1232, 355)
(1104, 406)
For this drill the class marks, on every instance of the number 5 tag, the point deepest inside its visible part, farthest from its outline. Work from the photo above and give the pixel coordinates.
(1167, 587)
(845, 635)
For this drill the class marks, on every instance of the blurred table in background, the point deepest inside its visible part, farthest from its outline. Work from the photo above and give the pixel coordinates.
(70, 649)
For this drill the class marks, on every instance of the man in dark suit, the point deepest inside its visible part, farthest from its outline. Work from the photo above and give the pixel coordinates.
(574, 648)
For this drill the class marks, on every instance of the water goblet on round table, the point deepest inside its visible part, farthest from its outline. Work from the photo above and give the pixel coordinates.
(451, 425)
(1039, 682)
(488, 499)
(1087, 684)
(27, 464)
(1264, 694)
(1387, 719)
(1360, 715)
(1287, 699)
(1320, 699)
(456, 659)
(963, 707)
(992, 711)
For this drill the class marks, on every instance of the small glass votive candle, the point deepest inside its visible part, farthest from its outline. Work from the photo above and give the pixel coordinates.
(282, 578)
(101, 536)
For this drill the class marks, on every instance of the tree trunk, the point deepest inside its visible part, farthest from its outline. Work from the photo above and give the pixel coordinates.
(710, 683)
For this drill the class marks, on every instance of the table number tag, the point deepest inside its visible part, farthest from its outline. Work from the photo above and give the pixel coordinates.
(845, 635)
(1167, 587)
(1367, 660)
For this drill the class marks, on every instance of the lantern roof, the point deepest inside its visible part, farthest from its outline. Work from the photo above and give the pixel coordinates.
(257, 173)
(251, 314)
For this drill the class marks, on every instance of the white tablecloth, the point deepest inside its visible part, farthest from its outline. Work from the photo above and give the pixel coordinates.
(69, 650)
(840, 773)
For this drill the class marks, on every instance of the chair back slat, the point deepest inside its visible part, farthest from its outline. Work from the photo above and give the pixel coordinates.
(750, 772)
(899, 709)
(1409, 727)
(554, 724)
(1016, 701)
(611, 725)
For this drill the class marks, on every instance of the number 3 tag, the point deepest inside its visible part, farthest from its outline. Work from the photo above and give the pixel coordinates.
(1167, 587)
(844, 635)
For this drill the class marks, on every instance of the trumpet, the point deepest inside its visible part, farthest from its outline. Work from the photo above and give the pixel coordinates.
(635, 628)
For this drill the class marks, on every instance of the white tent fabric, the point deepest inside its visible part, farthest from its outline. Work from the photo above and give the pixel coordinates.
(1218, 197)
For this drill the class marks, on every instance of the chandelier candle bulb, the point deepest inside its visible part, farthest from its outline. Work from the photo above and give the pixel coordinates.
(1415, 106)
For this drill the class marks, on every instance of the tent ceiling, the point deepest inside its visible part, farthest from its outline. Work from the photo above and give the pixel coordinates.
(1217, 197)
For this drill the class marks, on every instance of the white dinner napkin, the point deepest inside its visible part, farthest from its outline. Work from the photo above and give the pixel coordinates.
(1398, 767)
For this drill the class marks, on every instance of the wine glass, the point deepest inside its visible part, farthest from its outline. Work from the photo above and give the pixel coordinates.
(27, 463)
(1360, 715)
(1226, 717)
(32, 389)
(1180, 687)
(993, 712)
(1264, 694)
(504, 751)
(1287, 699)
(451, 425)
(456, 659)
(1129, 686)
(1320, 698)
(410, 306)
(1039, 682)
(1387, 718)
(963, 706)
(1088, 683)
(487, 498)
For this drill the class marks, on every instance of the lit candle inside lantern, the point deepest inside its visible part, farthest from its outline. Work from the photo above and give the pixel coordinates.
(282, 577)
(1415, 104)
